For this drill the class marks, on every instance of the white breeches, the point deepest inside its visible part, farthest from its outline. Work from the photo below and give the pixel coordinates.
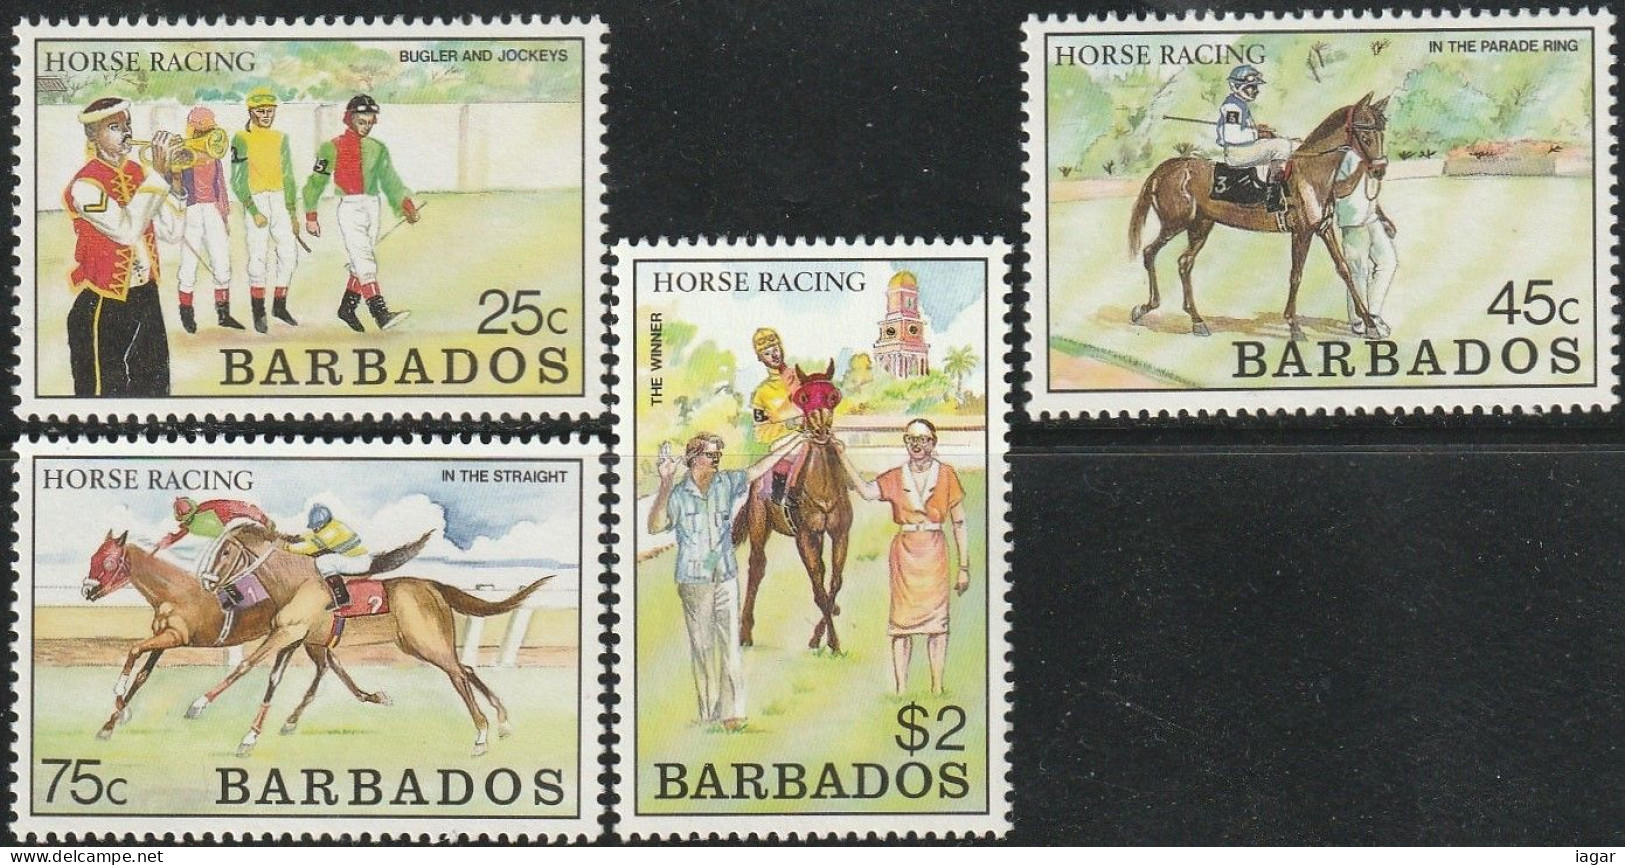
(1373, 259)
(359, 216)
(336, 564)
(1260, 152)
(276, 237)
(204, 231)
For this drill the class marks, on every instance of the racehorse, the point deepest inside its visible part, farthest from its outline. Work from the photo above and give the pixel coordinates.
(184, 614)
(1179, 190)
(822, 502)
(417, 618)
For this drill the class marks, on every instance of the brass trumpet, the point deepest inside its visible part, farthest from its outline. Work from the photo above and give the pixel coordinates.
(212, 144)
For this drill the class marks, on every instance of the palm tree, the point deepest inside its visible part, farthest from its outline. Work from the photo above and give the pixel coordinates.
(959, 364)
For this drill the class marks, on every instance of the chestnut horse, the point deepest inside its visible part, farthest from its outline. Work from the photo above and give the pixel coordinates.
(418, 621)
(184, 614)
(1179, 190)
(822, 502)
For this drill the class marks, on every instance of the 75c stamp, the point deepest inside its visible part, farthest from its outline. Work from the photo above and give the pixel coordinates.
(812, 538)
(267, 217)
(1375, 212)
(326, 638)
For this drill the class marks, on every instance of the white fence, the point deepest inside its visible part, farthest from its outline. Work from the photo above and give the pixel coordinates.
(520, 146)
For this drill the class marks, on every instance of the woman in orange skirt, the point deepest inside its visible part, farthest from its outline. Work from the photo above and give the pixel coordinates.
(925, 497)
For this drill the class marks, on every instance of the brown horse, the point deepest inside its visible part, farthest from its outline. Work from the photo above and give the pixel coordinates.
(822, 503)
(1179, 190)
(419, 622)
(184, 614)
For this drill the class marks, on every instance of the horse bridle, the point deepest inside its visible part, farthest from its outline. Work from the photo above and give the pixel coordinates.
(1353, 142)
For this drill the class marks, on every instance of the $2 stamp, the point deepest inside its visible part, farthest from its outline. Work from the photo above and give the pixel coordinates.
(264, 217)
(812, 538)
(1367, 212)
(180, 611)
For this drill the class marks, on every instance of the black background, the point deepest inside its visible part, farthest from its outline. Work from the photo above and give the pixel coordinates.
(1254, 629)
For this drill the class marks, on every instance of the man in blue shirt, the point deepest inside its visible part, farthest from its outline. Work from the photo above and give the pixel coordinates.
(701, 511)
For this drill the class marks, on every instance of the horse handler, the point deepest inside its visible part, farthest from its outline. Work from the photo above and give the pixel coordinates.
(701, 510)
(1368, 244)
(924, 494)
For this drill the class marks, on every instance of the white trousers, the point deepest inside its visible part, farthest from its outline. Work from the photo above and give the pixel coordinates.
(276, 237)
(1373, 259)
(711, 612)
(204, 231)
(1259, 153)
(359, 216)
(334, 564)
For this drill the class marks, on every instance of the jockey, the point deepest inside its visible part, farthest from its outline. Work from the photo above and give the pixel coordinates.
(211, 519)
(337, 550)
(773, 412)
(1248, 144)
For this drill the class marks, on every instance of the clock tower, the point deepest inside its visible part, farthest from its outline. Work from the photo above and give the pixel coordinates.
(901, 348)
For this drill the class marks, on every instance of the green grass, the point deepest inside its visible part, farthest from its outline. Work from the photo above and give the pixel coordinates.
(170, 761)
(438, 269)
(809, 707)
(1460, 241)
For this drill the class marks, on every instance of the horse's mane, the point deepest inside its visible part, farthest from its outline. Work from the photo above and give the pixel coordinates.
(1332, 124)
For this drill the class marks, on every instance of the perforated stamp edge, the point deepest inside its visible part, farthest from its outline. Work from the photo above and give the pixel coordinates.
(585, 825)
(1000, 682)
(582, 408)
(1041, 403)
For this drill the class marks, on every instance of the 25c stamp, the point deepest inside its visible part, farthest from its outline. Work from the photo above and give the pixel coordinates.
(1368, 212)
(812, 538)
(326, 638)
(267, 217)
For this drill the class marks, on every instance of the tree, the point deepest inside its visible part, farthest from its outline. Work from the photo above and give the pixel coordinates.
(961, 361)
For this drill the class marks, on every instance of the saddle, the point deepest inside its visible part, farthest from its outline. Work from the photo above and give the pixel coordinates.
(368, 597)
(1241, 186)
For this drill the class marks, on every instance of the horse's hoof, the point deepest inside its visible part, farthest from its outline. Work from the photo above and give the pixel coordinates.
(195, 711)
(289, 728)
(746, 642)
(382, 699)
(104, 733)
(1200, 328)
(124, 715)
(504, 729)
(835, 610)
(479, 750)
(1137, 313)
(245, 749)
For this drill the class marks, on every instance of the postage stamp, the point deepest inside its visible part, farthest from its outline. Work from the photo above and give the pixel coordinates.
(812, 499)
(180, 610)
(263, 217)
(1412, 212)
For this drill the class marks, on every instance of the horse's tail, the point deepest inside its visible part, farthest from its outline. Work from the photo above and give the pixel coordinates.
(469, 605)
(1142, 206)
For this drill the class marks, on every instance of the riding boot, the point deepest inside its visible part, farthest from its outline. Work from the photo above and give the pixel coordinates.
(258, 305)
(188, 319)
(780, 482)
(1275, 189)
(341, 592)
(347, 308)
(279, 308)
(382, 315)
(222, 314)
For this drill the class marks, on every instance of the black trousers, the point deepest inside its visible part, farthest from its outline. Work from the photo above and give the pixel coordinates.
(119, 347)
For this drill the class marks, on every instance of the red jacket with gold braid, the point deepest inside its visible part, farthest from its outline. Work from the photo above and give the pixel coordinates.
(104, 266)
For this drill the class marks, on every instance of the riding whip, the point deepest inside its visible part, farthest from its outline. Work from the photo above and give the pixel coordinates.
(392, 228)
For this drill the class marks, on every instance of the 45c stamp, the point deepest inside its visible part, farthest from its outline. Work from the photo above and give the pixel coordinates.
(812, 519)
(265, 217)
(327, 638)
(1314, 213)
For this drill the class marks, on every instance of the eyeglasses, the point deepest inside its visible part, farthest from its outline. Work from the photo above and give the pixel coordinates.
(713, 456)
(919, 440)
